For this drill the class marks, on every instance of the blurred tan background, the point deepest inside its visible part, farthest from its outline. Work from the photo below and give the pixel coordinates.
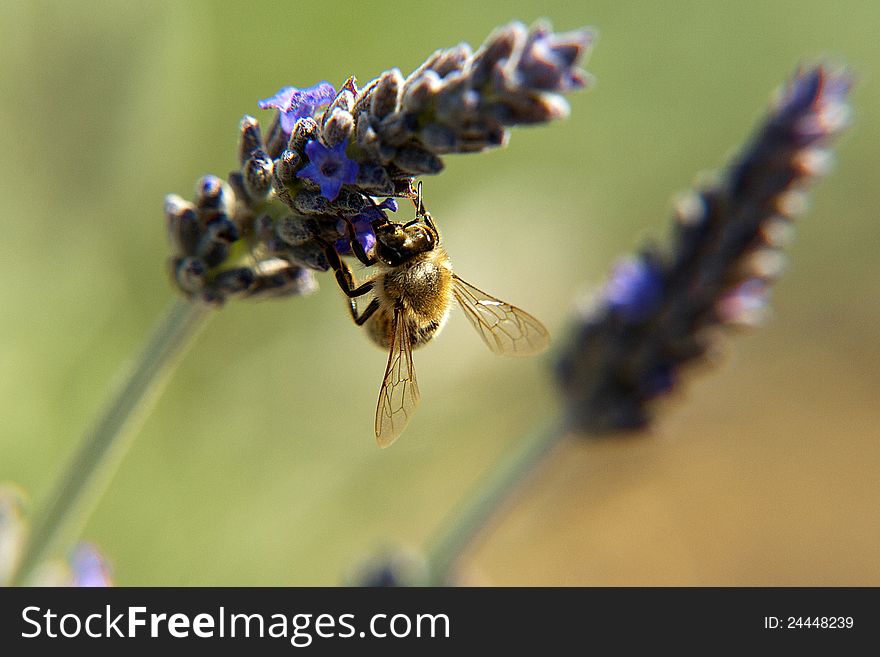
(258, 466)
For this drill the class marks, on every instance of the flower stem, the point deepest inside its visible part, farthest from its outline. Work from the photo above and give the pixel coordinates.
(103, 447)
(466, 523)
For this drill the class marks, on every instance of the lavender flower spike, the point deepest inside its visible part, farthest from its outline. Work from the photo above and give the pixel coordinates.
(328, 153)
(724, 254)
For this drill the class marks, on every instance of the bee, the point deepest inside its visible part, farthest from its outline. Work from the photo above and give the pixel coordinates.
(413, 291)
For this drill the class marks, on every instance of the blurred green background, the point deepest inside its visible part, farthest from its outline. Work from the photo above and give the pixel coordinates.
(258, 465)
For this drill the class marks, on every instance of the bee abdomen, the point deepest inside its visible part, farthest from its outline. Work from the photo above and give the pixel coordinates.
(380, 330)
(418, 293)
(419, 334)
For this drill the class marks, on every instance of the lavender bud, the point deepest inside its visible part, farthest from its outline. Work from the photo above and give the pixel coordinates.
(213, 197)
(316, 203)
(527, 110)
(306, 130)
(374, 180)
(311, 202)
(350, 202)
(257, 175)
(278, 278)
(338, 128)
(310, 255)
(386, 94)
(295, 230)
(546, 61)
(500, 45)
(420, 92)
(264, 227)
(417, 160)
(396, 129)
(344, 99)
(250, 139)
(233, 281)
(480, 134)
(277, 138)
(366, 135)
(451, 61)
(287, 166)
(183, 224)
(189, 273)
(214, 252)
(235, 179)
(364, 98)
(221, 229)
(439, 139)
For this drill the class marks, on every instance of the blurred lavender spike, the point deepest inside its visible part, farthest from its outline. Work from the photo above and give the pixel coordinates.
(724, 254)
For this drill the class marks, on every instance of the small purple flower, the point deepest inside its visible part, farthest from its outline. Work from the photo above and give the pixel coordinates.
(635, 289)
(363, 233)
(376, 211)
(328, 168)
(295, 103)
(363, 229)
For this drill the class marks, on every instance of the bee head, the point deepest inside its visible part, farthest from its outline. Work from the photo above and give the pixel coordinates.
(397, 243)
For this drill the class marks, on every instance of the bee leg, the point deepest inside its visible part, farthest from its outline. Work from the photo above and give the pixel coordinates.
(344, 276)
(357, 248)
(368, 312)
(362, 255)
(346, 282)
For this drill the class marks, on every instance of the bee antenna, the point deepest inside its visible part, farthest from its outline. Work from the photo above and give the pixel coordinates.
(420, 209)
(421, 213)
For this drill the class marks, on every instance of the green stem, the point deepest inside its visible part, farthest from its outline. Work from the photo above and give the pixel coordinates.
(466, 523)
(102, 449)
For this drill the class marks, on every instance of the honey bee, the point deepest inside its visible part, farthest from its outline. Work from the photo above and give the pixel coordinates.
(412, 295)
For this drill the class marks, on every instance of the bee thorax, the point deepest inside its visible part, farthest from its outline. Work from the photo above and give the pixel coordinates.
(420, 292)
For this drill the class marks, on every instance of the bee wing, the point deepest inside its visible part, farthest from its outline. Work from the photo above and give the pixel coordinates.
(399, 395)
(505, 329)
